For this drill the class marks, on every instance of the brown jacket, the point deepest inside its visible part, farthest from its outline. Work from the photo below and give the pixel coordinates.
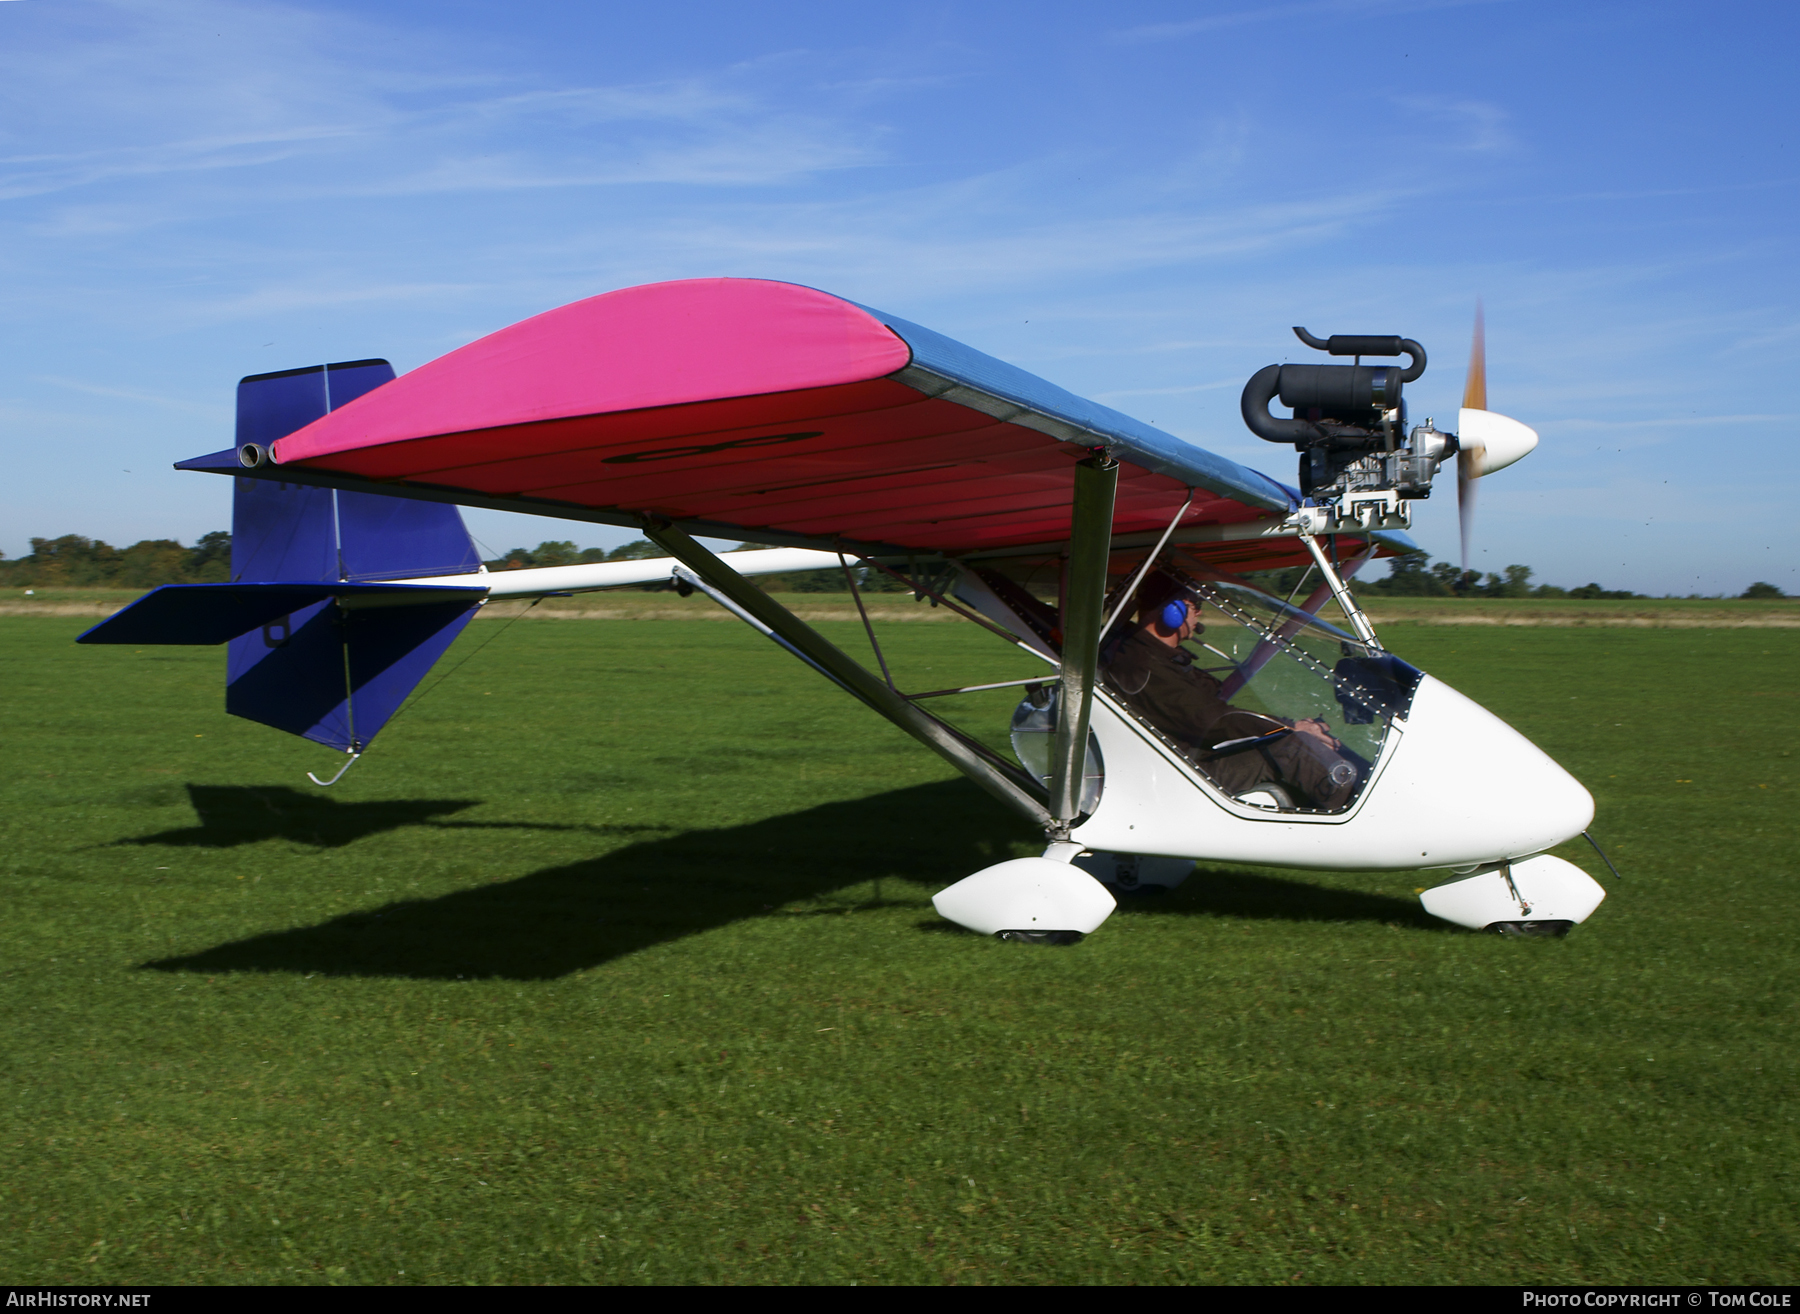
(1162, 685)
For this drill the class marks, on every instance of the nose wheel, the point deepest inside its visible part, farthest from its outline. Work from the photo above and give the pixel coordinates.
(1040, 937)
(1541, 897)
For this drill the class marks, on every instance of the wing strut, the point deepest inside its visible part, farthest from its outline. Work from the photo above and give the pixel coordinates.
(820, 652)
(1084, 611)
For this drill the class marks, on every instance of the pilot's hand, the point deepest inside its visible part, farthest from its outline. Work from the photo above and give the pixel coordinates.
(1317, 728)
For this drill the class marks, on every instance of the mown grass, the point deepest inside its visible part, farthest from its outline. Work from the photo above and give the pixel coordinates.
(614, 962)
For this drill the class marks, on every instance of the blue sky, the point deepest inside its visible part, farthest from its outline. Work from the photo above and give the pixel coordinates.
(1132, 200)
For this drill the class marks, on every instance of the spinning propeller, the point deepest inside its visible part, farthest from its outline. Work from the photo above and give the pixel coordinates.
(1487, 441)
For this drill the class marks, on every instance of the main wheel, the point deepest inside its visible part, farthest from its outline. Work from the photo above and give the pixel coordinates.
(1544, 930)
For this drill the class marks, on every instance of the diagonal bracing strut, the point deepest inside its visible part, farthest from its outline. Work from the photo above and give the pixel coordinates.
(821, 653)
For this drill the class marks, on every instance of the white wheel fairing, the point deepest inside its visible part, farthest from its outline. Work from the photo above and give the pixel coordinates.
(1026, 894)
(1454, 786)
(1542, 889)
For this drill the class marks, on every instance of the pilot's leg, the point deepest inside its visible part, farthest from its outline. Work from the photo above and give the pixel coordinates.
(1236, 772)
(1327, 779)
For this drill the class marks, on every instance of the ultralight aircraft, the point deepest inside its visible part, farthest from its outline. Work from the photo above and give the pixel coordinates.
(1183, 713)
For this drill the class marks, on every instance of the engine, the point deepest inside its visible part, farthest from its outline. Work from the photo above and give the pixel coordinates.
(1349, 424)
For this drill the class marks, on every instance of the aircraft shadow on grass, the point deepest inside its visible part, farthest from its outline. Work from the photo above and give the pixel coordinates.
(231, 815)
(565, 919)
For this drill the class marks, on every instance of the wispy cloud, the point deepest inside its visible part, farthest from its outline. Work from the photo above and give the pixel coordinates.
(1665, 422)
(283, 298)
(1479, 126)
(1122, 393)
(130, 394)
(305, 121)
(726, 156)
(1317, 9)
(987, 232)
(36, 175)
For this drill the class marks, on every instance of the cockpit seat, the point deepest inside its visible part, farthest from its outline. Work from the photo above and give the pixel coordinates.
(1269, 794)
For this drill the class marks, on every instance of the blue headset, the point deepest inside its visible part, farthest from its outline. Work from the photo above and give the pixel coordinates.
(1175, 615)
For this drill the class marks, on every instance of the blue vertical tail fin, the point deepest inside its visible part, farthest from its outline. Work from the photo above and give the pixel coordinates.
(331, 673)
(317, 645)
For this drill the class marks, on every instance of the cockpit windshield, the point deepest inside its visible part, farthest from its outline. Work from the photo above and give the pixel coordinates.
(1275, 706)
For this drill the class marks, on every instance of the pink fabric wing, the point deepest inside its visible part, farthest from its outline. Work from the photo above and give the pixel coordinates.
(664, 344)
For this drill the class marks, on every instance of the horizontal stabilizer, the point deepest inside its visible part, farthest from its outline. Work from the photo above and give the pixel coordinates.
(215, 613)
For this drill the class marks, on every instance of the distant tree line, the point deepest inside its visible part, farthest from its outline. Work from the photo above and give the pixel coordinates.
(1416, 577)
(1413, 577)
(74, 562)
(565, 553)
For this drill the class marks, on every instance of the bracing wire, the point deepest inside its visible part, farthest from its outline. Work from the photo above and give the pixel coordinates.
(420, 697)
(1310, 567)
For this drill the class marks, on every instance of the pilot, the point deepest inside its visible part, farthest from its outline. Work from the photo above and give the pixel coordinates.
(1238, 749)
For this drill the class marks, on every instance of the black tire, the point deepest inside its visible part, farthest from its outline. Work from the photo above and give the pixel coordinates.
(1545, 930)
(1040, 937)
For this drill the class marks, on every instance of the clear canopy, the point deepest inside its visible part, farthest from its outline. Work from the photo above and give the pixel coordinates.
(1272, 704)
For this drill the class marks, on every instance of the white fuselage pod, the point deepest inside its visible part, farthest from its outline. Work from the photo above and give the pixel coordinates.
(1454, 786)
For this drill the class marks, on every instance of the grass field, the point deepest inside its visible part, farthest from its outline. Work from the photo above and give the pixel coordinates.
(614, 962)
